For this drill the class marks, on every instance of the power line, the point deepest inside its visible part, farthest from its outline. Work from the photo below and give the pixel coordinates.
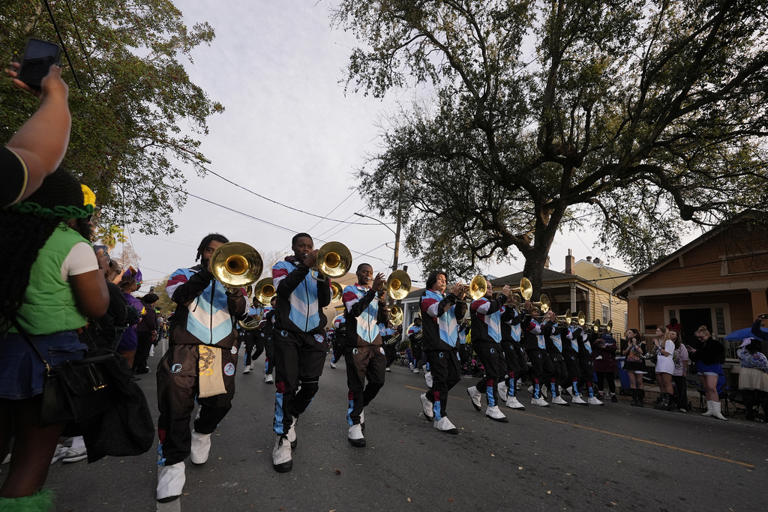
(80, 40)
(244, 214)
(273, 201)
(331, 210)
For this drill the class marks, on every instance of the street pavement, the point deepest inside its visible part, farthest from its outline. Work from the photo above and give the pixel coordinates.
(555, 458)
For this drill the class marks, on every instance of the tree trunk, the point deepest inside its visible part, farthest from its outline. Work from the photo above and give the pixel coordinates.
(534, 270)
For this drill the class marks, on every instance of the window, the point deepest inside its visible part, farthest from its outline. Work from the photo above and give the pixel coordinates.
(606, 314)
(720, 322)
(672, 314)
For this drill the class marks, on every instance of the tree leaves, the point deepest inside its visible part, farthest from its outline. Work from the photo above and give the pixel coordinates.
(138, 119)
(635, 116)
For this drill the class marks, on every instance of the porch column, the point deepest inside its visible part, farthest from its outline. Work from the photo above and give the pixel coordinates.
(572, 286)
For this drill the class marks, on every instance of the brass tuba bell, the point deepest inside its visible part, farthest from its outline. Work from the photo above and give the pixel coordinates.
(596, 325)
(264, 290)
(250, 323)
(525, 289)
(478, 287)
(398, 285)
(336, 291)
(396, 316)
(333, 259)
(236, 264)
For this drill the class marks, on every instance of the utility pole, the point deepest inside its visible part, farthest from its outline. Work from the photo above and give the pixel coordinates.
(399, 222)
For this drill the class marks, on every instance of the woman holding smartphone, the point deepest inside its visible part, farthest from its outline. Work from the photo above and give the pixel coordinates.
(634, 365)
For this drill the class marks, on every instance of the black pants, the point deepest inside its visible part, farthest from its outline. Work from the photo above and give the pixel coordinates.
(586, 368)
(446, 373)
(572, 368)
(541, 365)
(142, 351)
(491, 355)
(299, 359)
(269, 351)
(250, 343)
(338, 349)
(390, 352)
(177, 387)
(606, 376)
(681, 391)
(363, 363)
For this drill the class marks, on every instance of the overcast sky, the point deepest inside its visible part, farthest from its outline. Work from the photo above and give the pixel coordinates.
(289, 133)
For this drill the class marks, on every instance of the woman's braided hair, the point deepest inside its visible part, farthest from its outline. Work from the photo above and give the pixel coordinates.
(24, 234)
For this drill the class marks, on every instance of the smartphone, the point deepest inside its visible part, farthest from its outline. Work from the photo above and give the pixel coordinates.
(39, 55)
(102, 248)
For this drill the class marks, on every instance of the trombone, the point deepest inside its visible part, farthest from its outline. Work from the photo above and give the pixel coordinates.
(236, 264)
(333, 259)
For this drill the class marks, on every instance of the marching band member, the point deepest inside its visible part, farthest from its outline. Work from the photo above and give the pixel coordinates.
(363, 353)
(585, 338)
(199, 364)
(300, 344)
(536, 348)
(414, 351)
(486, 340)
(571, 354)
(554, 344)
(440, 337)
(511, 333)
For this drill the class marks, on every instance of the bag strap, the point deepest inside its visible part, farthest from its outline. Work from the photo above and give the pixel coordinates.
(26, 337)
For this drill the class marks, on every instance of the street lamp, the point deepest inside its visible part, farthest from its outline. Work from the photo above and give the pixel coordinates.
(396, 233)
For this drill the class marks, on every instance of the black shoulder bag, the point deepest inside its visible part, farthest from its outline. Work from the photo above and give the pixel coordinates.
(96, 397)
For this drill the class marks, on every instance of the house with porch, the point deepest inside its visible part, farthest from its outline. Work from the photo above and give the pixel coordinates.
(719, 279)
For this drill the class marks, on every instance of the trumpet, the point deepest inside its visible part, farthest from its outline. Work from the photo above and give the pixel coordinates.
(398, 285)
(236, 264)
(336, 291)
(264, 291)
(333, 259)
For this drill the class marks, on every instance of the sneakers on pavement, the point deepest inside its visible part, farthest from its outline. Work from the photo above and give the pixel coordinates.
(539, 401)
(355, 436)
(268, 378)
(476, 397)
(513, 403)
(594, 401)
(445, 425)
(494, 413)
(200, 448)
(559, 400)
(282, 462)
(578, 400)
(170, 482)
(426, 407)
(247, 369)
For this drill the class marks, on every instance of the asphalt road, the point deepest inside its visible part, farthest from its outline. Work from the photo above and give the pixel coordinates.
(555, 458)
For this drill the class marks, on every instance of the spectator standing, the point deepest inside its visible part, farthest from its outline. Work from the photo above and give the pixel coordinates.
(681, 360)
(605, 364)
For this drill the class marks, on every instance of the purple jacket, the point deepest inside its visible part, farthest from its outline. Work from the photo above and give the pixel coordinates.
(605, 355)
(130, 339)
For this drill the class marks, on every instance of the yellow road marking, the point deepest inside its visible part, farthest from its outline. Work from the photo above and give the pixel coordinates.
(624, 436)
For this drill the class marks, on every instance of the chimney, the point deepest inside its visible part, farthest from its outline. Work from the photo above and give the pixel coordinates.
(570, 262)
(596, 261)
(589, 259)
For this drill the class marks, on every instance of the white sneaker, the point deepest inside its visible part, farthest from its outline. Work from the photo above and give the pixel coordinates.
(74, 454)
(426, 407)
(201, 447)
(58, 454)
(445, 425)
(578, 400)
(355, 436)
(415, 370)
(387, 369)
(170, 482)
(428, 379)
(539, 401)
(502, 387)
(594, 401)
(568, 390)
(495, 414)
(247, 369)
(281, 455)
(268, 378)
(410, 366)
(476, 397)
(362, 419)
(333, 365)
(559, 400)
(513, 403)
